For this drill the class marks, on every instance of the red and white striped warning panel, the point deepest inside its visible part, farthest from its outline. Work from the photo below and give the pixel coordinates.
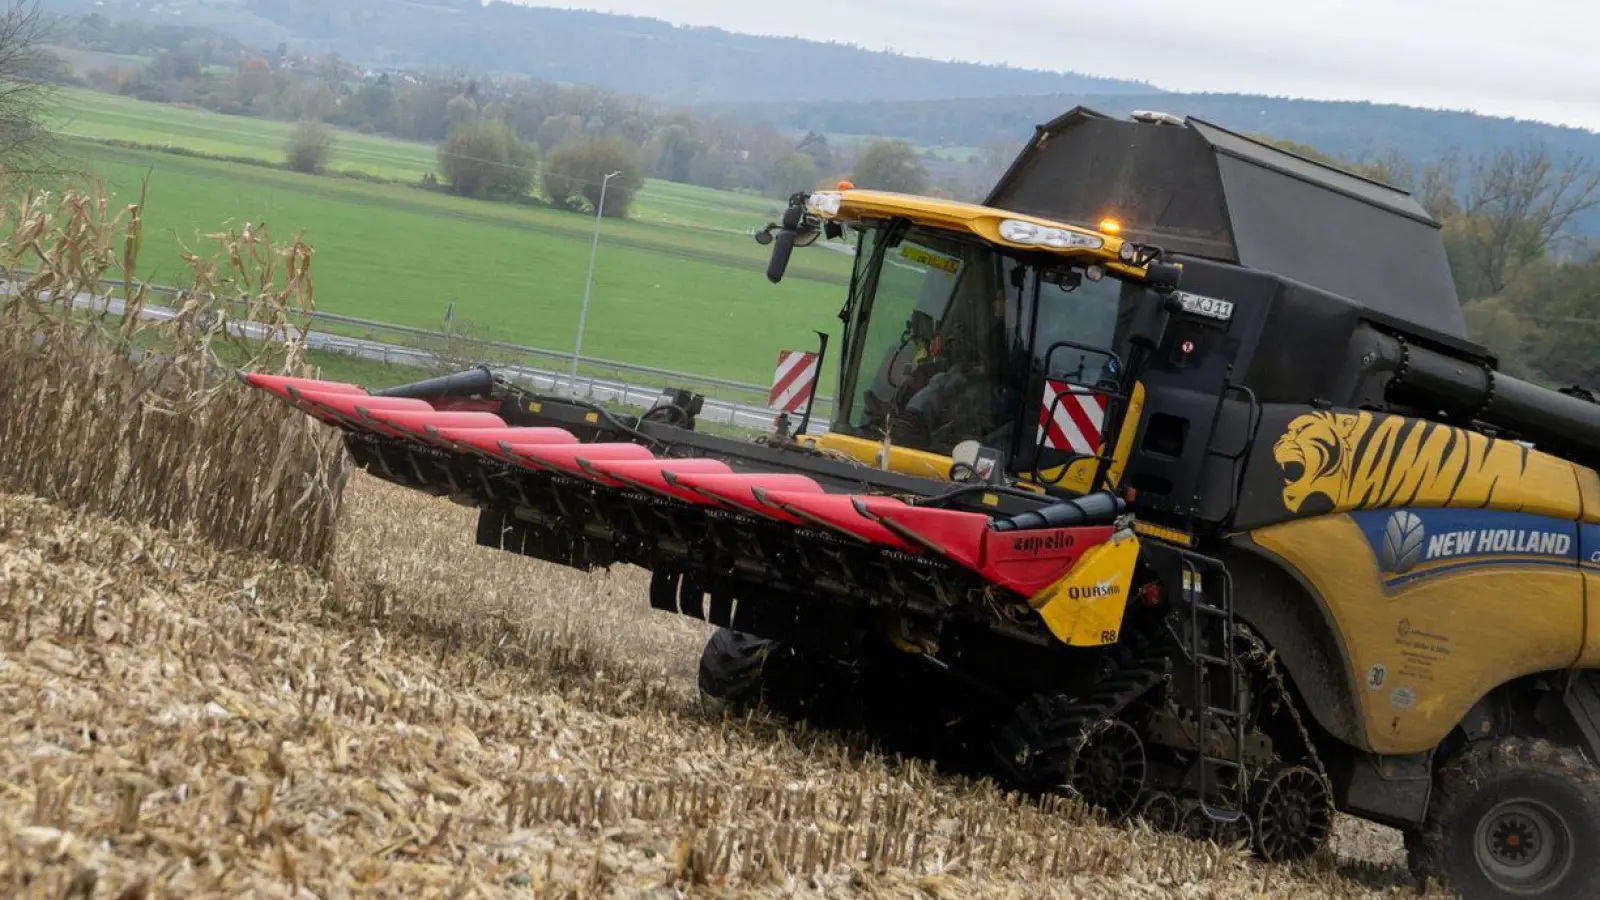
(794, 380)
(1075, 422)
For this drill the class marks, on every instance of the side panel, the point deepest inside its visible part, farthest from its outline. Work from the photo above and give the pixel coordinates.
(1439, 606)
(1589, 557)
(1589, 493)
(1311, 463)
(1280, 605)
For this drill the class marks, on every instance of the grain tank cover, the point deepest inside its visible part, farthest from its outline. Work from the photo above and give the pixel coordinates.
(1197, 189)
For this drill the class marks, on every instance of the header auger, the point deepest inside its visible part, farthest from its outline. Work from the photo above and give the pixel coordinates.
(1167, 477)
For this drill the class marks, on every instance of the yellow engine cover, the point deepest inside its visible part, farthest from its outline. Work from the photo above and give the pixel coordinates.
(1449, 562)
(1437, 607)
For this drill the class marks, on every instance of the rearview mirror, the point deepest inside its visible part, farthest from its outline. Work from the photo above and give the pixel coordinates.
(797, 230)
(781, 249)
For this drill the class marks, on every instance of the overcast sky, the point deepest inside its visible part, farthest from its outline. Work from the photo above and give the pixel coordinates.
(1532, 60)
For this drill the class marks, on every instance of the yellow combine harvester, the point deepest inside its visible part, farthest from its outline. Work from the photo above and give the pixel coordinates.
(1166, 477)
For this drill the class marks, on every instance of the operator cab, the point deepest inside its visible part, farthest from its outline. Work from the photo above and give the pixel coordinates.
(970, 326)
(953, 339)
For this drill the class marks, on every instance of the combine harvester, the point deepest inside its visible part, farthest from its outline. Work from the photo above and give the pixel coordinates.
(1168, 472)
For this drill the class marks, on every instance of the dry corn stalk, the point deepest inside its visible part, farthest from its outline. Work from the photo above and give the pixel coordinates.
(137, 418)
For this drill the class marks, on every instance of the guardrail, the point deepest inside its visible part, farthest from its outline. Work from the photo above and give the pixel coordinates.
(723, 390)
(715, 409)
(707, 385)
(600, 390)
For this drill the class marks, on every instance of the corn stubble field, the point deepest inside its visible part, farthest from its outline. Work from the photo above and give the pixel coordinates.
(229, 666)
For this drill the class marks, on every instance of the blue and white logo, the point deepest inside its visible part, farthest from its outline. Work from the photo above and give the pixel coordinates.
(1402, 542)
(1418, 543)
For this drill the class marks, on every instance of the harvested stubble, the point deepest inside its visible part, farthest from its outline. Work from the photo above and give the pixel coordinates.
(442, 720)
(90, 420)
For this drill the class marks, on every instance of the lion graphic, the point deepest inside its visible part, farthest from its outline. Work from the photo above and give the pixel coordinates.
(1337, 461)
(1317, 456)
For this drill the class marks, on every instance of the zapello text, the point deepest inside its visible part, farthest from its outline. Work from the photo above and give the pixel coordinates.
(1036, 544)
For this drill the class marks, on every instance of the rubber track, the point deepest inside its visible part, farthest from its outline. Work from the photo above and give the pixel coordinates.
(1269, 665)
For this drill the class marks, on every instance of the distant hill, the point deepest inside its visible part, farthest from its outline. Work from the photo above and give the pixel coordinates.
(674, 64)
(1349, 129)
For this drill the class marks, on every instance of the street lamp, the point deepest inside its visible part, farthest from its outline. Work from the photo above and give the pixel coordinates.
(583, 311)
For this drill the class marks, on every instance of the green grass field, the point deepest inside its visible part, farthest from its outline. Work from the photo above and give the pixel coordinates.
(683, 297)
(92, 114)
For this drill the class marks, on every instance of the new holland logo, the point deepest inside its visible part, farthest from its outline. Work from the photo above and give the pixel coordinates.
(1484, 541)
(1412, 543)
(1402, 542)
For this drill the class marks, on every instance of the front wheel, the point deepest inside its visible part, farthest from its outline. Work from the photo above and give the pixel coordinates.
(739, 673)
(1513, 818)
(731, 667)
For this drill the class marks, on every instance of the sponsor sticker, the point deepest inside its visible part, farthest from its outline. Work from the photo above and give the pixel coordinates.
(930, 258)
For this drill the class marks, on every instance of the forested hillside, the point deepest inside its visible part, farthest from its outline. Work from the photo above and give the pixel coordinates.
(624, 53)
(1351, 129)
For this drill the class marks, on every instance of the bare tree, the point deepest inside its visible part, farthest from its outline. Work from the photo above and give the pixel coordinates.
(1434, 184)
(25, 95)
(1437, 186)
(1520, 203)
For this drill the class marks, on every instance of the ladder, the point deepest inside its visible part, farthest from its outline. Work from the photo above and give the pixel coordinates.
(1210, 649)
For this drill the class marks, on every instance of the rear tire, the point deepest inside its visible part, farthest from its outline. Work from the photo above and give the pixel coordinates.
(1513, 818)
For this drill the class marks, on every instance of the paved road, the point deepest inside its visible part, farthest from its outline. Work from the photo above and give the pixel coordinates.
(597, 389)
